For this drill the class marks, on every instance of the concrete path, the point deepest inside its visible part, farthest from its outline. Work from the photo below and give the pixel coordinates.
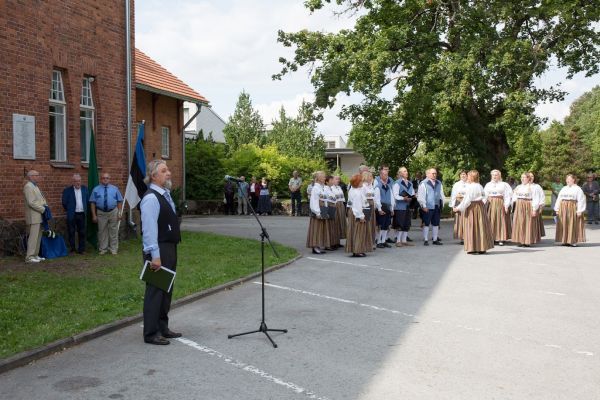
(409, 323)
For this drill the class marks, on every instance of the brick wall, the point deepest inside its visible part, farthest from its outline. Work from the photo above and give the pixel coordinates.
(81, 38)
(158, 111)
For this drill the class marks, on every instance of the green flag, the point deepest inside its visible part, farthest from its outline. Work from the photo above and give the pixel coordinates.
(92, 228)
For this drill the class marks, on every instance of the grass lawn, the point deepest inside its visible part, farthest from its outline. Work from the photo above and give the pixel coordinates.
(41, 303)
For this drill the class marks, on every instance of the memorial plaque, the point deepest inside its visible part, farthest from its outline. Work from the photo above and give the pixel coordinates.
(23, 137)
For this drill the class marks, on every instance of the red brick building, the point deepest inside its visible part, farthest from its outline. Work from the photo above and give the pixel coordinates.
(62, 74)
(64, 68)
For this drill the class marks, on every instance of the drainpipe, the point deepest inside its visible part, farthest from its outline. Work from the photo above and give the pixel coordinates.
(128, 86)
(199, 107)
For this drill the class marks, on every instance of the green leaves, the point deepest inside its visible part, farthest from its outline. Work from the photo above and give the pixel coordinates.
(245, 126)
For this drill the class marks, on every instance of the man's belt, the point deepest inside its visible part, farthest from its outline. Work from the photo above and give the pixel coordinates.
(103, 210)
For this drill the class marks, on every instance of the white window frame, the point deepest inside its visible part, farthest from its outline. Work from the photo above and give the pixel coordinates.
(165, 142)
(87, 122)
(57, 100)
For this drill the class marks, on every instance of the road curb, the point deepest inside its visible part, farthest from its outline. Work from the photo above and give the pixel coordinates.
(27, 357)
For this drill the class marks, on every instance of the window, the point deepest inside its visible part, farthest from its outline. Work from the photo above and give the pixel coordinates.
(165, 142)
(58, 119)
(186, 115)
(330, 145)
(86, 117)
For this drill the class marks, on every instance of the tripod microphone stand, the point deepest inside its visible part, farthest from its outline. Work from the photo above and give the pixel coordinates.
(263, 235)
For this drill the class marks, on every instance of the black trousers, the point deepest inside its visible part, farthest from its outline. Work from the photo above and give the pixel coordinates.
(296, 202)
(77, 225)
(157, 302)
(229, 210)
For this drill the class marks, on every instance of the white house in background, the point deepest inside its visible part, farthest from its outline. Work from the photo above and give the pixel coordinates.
(339, 155)
(208, 121)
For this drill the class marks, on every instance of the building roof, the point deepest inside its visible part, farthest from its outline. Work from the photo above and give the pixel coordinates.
(151, 76)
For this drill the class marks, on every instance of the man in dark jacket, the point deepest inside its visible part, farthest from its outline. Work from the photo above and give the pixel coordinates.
(75, 203)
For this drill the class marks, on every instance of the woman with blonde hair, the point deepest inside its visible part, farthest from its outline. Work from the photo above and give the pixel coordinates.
(357, 241)
(477, 233)
(456, 196)
(570, 206)
(499, 197)
(330, 222)
(526, 207)
(318, 236)
(541, 199)
(372, 197)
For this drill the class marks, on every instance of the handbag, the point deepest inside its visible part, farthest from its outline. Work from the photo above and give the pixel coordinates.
(53, 247)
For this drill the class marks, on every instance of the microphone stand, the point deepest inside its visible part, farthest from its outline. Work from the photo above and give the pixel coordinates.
(263, 235)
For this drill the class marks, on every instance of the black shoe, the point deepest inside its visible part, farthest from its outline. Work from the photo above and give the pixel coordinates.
(316, 250)
(390, 241)
(158, 340)
(171, 335)
(329, 248)
(437, 242)
(426, 243)
(408, 239)
(380, 246)
(462, 242)
(387, 246)
(359, 255)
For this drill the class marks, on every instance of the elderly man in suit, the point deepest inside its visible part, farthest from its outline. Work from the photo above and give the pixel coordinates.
(74, 201)
(35, 204)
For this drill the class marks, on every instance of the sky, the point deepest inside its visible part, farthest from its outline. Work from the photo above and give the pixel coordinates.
(220, 48)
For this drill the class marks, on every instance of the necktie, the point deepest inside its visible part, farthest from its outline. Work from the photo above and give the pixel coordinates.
(169, 199)
(105, 198)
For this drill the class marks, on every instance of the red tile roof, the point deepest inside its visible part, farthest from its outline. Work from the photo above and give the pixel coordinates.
(151, 76)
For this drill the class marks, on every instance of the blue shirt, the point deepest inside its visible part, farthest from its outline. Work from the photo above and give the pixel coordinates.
(112, 199)
(242, 189)
(150, 208)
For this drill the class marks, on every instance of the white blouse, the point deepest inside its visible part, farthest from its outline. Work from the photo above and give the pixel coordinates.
(458, 190)
(370, 193)
(499, 189)
(317, 193)
(539, 193)
(473, 192)
(331, 198)
(572, 192)
(357, 200)
(527, 192)
(339, 194)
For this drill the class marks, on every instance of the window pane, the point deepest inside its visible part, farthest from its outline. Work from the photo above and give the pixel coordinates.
(86, 122)
(165, 142)
(58, 137)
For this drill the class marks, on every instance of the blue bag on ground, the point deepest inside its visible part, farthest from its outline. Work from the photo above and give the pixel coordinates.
(53, 247)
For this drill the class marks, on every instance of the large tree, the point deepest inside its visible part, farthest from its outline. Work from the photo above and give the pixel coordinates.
(297, 137)
(245, 126)
(585, 119)
(461, 72)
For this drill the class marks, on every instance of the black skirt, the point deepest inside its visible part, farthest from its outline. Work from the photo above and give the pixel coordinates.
(264, 204)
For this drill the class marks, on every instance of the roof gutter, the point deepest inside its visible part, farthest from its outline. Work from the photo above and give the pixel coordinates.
(170, 94)
(183, 191)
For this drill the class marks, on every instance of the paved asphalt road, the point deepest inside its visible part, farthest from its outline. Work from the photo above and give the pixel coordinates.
(409, 323)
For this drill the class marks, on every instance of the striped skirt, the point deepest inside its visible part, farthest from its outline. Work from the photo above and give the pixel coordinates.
(458, 222)
(499, 219)
(356, 235)
(477, 232)
(372, 224)
(334, 235)
(540, 230)
(318, 233)
(524, 226)
(340, 218)
(570, 228)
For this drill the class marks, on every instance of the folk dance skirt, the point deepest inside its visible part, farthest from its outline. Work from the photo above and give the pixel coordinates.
(318, 234)
(372, 224)
(458, 222)
(477, 232)
(340, 219)
(356, 235)
(334, 235)
(499, 219)
(570, 228)
(524, 227)
(540, 230)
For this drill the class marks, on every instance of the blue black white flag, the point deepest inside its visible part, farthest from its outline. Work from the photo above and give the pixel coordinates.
(135, 184)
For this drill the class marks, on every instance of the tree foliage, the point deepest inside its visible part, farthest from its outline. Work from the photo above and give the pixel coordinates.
(245, 126)
(297, 137)
(459, 73)
(204, 170)
(585, 118)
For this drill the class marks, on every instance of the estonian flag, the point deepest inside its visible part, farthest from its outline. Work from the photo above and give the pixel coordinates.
(136, 188)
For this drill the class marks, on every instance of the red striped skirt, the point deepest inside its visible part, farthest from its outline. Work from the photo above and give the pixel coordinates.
(570, 228)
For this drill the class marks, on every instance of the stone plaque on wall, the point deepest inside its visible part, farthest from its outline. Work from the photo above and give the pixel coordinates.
(23, 137)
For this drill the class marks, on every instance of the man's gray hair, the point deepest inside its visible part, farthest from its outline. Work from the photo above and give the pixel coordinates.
(151, 169)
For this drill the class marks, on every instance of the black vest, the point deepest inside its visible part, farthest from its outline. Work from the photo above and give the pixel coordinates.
(168, 224)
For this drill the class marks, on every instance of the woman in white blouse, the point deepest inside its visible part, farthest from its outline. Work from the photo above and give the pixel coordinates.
(499, 196)
(570, 206)
(340, 208)
(525, 224)
(374, 202)
(357, 239)
(318, 236)
(541, 197)
(477, 233)
(456, 196)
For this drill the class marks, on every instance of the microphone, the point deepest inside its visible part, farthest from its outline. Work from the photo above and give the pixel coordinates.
(232, 178)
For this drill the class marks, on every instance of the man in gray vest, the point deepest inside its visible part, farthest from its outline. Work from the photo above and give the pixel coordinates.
(160, 236)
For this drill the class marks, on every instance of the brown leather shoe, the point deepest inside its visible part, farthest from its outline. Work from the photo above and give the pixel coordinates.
(158, 340)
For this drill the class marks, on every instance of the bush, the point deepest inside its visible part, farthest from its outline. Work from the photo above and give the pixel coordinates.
(204, 169)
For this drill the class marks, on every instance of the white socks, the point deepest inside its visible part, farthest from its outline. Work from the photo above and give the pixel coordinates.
(426, 233)
(436, 229)
(404, 236)
(382, 236)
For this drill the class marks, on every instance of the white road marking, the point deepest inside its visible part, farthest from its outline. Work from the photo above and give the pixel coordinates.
(358, 265)
(414, 317)
(553, 293)
(251, 368)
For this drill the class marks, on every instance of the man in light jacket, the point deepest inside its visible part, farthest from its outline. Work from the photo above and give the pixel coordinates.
(34, 208)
